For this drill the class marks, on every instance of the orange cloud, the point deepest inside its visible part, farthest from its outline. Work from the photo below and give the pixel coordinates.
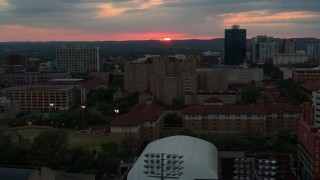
(3, 4)
(151, 3)
(266, 16)
(25, 33)
(109, 10)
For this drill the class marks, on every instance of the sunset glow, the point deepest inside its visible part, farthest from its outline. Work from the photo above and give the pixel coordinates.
(163, 20)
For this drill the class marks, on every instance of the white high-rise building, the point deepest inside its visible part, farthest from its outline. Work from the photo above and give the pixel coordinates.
(313, 49)
(78, 58)
(264, 49)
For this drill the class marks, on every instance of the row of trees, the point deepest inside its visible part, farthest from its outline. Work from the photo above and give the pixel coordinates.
(51, 149)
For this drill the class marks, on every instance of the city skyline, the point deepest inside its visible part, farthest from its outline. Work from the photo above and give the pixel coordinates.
(98, 20)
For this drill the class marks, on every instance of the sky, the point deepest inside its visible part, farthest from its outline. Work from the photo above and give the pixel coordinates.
(105, 20)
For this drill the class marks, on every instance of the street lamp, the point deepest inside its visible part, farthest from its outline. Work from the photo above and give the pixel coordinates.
(83, 108)
(50, 109)
(161, 165)
(252, 168)
(116, 111)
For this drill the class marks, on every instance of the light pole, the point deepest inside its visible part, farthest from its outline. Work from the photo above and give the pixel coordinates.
(252, 168)
(116, 111)
(161, 165)
(50, 109)
(83, 108)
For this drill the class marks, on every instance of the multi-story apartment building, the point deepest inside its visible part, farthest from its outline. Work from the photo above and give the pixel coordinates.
(30, 78)
(306, 74)
(224, 118)
(212, 79)
(289, 58)
(313, 49)
(227, 97)
(264, 49)
(142, 123)
(78, 58)
(241, 118)
(167, 77)
(282, 117)
(42, 97)
(221, 75)
(235, 46)
(288, 46)
(309, 144)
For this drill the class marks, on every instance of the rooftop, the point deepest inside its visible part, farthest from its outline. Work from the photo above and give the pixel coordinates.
(200, 158)
(144, 111)
(223, 109)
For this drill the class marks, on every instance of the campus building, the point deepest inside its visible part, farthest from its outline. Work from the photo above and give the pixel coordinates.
(309, 144)
(241, 118)
(167, 77)
(39, 97)
(193, 158)
(30, 78)
(264, 48)
(142, 123)
(306, 74)
(78, 58)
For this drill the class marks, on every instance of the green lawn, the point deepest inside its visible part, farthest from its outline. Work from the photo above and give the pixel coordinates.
(4, 122)
(75, 139)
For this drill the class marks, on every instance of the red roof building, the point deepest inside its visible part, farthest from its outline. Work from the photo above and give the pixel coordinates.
(143, 122)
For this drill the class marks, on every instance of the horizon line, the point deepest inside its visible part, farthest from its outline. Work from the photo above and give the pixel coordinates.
(188, 39)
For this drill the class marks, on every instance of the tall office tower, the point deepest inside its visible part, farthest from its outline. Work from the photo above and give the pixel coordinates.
(264, 48)
(313, 49)
(235, 46)
(78, 58)
(287, 46)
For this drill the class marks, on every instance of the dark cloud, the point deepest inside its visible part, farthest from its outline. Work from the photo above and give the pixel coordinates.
(194, 17)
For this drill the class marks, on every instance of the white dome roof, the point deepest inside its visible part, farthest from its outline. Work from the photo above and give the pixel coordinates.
(200, 158)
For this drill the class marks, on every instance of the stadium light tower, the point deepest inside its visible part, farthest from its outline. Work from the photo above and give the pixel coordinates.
(162, 165)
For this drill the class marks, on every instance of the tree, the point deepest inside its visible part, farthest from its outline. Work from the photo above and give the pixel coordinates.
(250, 95)
(49, 148)
(110, 147)
(173, 120)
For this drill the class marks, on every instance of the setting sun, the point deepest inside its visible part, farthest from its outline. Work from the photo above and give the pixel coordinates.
(167, 39)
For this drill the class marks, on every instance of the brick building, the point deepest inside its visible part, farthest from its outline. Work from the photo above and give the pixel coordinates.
(241, 118)
(30, 78)
(309, 145)
(306, 74)
(39, 97)
(167, 77)
(143, 122)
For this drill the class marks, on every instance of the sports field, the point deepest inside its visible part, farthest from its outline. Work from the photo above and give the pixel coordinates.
(84, 140)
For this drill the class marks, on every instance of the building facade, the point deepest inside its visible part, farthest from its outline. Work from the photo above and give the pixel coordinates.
(306, 74)
(42, 97)
(224, 118)
(263, 49)
(292, 58)
(167, 77)
(313, 49)
(309, 145)
(235, 46)
(78, 58)
(142, 123)
(230, 118)
(30, 78)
